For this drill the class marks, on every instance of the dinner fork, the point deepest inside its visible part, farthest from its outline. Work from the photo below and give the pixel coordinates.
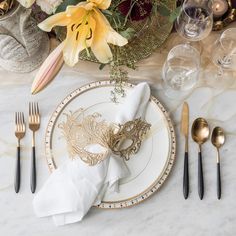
(19, 133)
(34, 124)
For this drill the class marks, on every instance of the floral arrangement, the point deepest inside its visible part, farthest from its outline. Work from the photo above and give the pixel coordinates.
(94, 27)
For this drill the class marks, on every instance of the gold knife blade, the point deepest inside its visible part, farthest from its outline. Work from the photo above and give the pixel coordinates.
(185, 120)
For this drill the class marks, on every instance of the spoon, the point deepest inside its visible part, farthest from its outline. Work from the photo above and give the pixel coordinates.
(200, 134)
(218, 140)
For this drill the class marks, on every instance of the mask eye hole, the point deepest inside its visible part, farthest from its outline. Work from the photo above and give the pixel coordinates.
(126, 144)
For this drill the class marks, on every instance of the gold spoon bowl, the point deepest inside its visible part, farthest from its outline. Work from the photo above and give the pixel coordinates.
(200, 131)
(200, 134)
(218, 137)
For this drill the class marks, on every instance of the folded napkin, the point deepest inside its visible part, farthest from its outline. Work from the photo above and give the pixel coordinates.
(73, 188)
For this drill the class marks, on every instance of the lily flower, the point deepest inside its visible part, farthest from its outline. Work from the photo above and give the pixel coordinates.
(87, 27)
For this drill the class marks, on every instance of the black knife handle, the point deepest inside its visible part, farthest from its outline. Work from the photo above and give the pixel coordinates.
(218, 181)
(186, 176)
(17, 173)
(33, 171)
(200, 176)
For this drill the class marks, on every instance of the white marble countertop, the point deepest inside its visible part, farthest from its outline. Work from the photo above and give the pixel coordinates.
(166, 213)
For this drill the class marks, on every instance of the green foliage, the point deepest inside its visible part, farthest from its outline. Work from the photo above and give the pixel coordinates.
(161, 8)
(174, 14)
(115, 18)
(128, 33)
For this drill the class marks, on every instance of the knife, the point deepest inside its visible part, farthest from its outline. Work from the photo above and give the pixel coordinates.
(185, 131)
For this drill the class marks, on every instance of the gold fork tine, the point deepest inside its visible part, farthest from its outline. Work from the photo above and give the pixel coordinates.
(37, 112)
(23, 118)
(20, 122)
(37, 106)
(16, 119)
(34, 112)
(23, 121)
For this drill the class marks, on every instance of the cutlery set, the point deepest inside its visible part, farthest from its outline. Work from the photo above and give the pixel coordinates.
(20, 130)
(200, 134)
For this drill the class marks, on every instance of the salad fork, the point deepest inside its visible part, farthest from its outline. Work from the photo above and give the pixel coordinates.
(34, 125)
(19, 133)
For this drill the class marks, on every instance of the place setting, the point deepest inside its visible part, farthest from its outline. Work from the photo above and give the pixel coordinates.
(109, 143)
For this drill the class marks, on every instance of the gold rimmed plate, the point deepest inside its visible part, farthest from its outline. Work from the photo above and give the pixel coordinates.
(149, 168)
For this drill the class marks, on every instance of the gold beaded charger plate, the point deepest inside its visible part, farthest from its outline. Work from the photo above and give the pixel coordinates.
(149, 168)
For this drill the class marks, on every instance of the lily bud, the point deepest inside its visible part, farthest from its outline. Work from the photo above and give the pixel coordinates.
(49, 69)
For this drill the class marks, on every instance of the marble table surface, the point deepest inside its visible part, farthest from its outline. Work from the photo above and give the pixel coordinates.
(166, 213)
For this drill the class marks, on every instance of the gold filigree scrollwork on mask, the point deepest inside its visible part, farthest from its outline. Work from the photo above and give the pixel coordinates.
(127, 139)
(83, 132)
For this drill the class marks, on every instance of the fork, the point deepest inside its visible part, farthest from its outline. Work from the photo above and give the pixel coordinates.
(19, 133)
(34, 124)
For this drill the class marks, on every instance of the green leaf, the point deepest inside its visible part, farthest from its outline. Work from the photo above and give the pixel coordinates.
(62, 7)
(107, 12)
(163, 10)
(128, 33)
(174, 14)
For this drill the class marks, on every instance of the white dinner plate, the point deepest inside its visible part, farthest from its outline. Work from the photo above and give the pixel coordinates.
(149, 167)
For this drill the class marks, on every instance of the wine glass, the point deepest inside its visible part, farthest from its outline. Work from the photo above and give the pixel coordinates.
(224, 58)
(180, 71)
(195, 20)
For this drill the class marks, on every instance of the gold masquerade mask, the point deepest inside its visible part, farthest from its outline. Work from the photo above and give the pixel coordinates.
(92, 138)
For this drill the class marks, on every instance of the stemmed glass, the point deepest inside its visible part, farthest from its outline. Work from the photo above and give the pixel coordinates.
(195, 20)
(180, 71)
(223, 57)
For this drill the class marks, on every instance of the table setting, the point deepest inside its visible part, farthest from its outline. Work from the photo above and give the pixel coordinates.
(118, 117)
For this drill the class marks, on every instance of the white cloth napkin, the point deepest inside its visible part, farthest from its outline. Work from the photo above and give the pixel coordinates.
(75, 187)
